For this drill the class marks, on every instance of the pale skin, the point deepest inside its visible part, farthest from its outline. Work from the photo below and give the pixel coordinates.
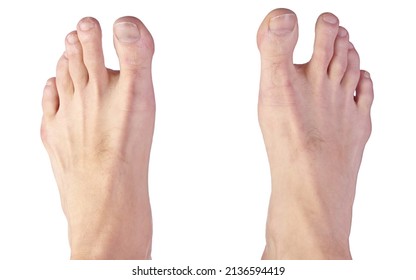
(315, 120)
(98, 127)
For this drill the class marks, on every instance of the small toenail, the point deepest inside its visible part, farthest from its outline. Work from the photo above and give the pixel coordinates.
(86, 24)
(126, 32)
(342, 32)
(283, 24)
(72, 38)
(330, 18)
(367, 75)
(350, 46)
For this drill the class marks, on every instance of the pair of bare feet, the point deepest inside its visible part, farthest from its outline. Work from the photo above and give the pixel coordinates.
(98, 127)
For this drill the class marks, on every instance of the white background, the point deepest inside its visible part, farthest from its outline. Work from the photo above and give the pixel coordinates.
(209, 177)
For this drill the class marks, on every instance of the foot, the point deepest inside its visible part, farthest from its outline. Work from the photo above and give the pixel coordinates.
(315, 120)
(97, 128)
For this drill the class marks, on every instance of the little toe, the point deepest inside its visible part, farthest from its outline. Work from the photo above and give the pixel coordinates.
(50, 99)
(276, 39)
(135, 47)
(326, 32)
(352, 73)
(77, 70)
(90, 36)
(63, 78)
(364, 93)
(339, 61)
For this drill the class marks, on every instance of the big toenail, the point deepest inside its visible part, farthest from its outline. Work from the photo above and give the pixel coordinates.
(86, 24)
(330, 18)
(72, 39)
(126, 32)
(283, 24)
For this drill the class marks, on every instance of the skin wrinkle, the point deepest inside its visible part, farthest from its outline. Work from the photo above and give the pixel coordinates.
(312, 135)
(98, 128)
(89, 140)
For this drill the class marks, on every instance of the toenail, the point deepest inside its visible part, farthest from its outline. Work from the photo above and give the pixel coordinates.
(86, 24)
(283, 24)
(126, 32)
(72, 38)
(350, 46)
(366, 75)
(342, 32)
(330, 18)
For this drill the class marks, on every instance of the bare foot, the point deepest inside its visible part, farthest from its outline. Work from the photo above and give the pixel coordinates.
(97, 128)
(315, 120)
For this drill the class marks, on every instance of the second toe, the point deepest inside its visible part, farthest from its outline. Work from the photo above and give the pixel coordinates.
(90, 36)
(326, 32)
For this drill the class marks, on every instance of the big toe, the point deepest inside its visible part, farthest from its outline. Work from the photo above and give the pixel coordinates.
(277, 37)
(134, 45)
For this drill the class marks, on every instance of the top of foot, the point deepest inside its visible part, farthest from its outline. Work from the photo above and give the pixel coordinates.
(97, 128)
(315, 120)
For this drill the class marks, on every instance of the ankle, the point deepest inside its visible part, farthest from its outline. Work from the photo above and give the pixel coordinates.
(299, 238)
(138, 248)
